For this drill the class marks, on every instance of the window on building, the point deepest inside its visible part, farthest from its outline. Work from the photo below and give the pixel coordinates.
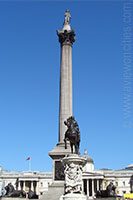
(90, 187)
(124, 192)
(95, 185)
(41, 193)
(41, 184)
(116, 183)
(85, 186)
(123, 183)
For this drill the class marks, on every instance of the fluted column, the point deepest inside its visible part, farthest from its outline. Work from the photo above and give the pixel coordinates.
(37, 187)
(98, 185)
(92, 187)
(65, 89)
(24, 185)
(88, 192)
(66, 39)
(32, 188)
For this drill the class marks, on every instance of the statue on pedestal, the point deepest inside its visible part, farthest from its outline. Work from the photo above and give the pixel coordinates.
(109, 192)
(11, 192)
(32, 195)
(72, 134)
(67, 17)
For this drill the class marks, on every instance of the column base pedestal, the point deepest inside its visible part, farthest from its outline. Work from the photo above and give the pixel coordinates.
(58, 153)
(73, 197)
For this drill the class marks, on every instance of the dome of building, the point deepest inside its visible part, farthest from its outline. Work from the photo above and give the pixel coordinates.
(89, 159)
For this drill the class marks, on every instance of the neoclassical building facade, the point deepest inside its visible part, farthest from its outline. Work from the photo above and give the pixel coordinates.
(93, 180)
(34, 180)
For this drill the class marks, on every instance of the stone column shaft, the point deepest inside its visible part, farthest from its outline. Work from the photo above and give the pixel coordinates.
(24, 185)
(32, 186)
(102, 185)
(88, 188)
(97, 185)
(92, 187)
(66, 39)
(65, 89)
(37, 187)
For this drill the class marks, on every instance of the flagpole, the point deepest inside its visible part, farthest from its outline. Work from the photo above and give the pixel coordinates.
(29, 161)
(30, 164)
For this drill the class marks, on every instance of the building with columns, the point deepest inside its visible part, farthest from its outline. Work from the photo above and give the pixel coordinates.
(93, 180)
(34, 180)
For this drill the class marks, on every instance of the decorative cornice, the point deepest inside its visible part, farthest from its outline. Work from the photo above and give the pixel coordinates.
(66, 37)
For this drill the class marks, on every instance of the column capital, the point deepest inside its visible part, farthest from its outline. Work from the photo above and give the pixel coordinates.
(66, 37)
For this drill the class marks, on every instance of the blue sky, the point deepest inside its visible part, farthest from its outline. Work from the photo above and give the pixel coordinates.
(29, 82)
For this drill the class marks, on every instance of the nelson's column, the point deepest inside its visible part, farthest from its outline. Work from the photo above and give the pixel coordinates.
(66, 39)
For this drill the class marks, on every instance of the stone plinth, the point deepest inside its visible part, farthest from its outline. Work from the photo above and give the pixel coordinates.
(54, 191)
(73, 167)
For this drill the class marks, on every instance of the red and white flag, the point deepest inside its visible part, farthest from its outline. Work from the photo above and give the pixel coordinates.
(29, 158)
